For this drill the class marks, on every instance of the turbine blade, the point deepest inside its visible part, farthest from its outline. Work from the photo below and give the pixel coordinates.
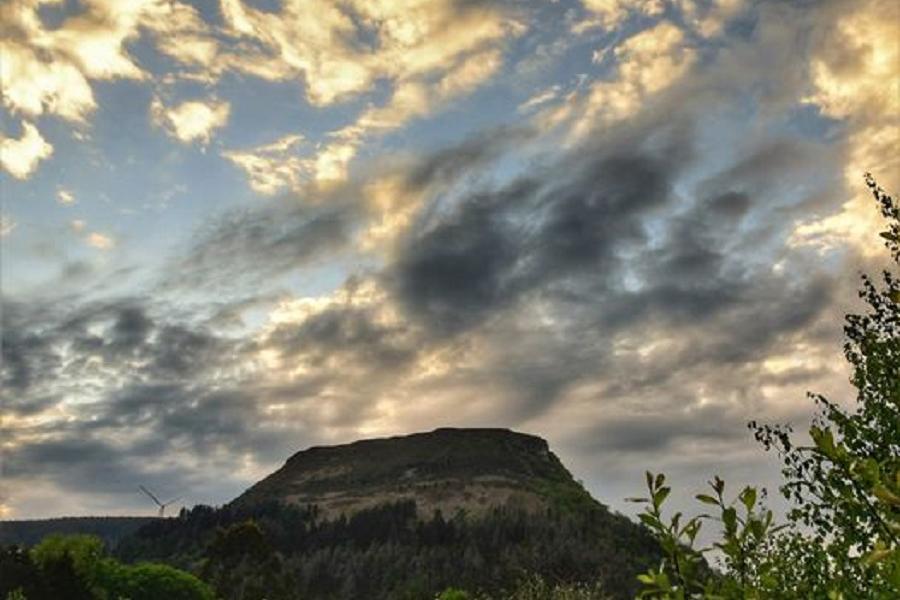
(176, 499)
(149, 493)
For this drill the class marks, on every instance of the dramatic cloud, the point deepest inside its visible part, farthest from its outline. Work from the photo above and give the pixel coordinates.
(629, 227)
(854, 76)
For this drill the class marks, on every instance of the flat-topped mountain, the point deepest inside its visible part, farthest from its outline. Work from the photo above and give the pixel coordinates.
(404, 518)
(446, 469)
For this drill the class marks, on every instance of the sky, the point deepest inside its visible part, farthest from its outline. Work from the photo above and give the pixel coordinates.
(233, 229)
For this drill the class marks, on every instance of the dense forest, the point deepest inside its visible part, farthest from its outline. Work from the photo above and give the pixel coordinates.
(278, 551)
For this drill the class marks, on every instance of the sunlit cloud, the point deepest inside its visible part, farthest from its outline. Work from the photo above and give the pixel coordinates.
(540, 98)
(410, 100)
(708, 19)
(48, 70)
(272, 167)
(611, 14)
(192, 121)
(98, 240)
(20, 156)
(413, 39)
(64, 196)
(646, 64)
(854, 75)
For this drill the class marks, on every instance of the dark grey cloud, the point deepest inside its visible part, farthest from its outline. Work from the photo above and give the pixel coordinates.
(653, 434)
(346, 332)
(251, 247)
(46, 344)
(461, 161)
(500, 245)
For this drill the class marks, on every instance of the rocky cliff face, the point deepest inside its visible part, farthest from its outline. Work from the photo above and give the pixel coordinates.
(445, 469)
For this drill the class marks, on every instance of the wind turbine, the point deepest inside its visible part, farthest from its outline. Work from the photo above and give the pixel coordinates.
(162, 505)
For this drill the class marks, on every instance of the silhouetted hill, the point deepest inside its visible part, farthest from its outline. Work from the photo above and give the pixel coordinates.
(109, 529)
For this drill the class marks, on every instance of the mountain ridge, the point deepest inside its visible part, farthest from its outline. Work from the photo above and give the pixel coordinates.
(446, 469)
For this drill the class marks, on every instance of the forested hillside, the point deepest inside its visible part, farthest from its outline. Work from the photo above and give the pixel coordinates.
(284, 552)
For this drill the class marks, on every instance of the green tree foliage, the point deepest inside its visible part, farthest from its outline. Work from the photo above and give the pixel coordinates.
(241, 564)
(75, 567)
(841, 537)
(69, 565)
(149, 581)
(535, 587)
(19, 575)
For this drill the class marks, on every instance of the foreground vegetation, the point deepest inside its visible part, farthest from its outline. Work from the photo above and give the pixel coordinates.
(76, 567)
(841, 537)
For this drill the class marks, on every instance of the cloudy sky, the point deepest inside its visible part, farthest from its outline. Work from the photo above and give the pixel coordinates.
(232, 229)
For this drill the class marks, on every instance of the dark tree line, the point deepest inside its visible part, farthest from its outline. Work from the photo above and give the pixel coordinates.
(284, 552)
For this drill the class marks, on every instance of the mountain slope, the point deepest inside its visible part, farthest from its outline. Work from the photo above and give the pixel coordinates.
(449, 470)
(404, 518)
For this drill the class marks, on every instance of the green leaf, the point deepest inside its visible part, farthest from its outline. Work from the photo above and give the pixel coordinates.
(649, 520)
(707, 499)
(885, 495)
(660, 479)
(660, 496)
(748, 498)
(823, 439)
(729, 517)
(757, 528)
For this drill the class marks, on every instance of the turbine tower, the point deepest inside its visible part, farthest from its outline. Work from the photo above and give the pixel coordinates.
(162, 505)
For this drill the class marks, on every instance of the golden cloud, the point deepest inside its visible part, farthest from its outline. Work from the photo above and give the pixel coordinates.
(430, 49)
(647, 63)
(20, 157)
(610, 14)
(47, 71)
(410, 100)
(855, 79)
(192, 121)
(708, 19)
(320, 42)
(272, 167)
